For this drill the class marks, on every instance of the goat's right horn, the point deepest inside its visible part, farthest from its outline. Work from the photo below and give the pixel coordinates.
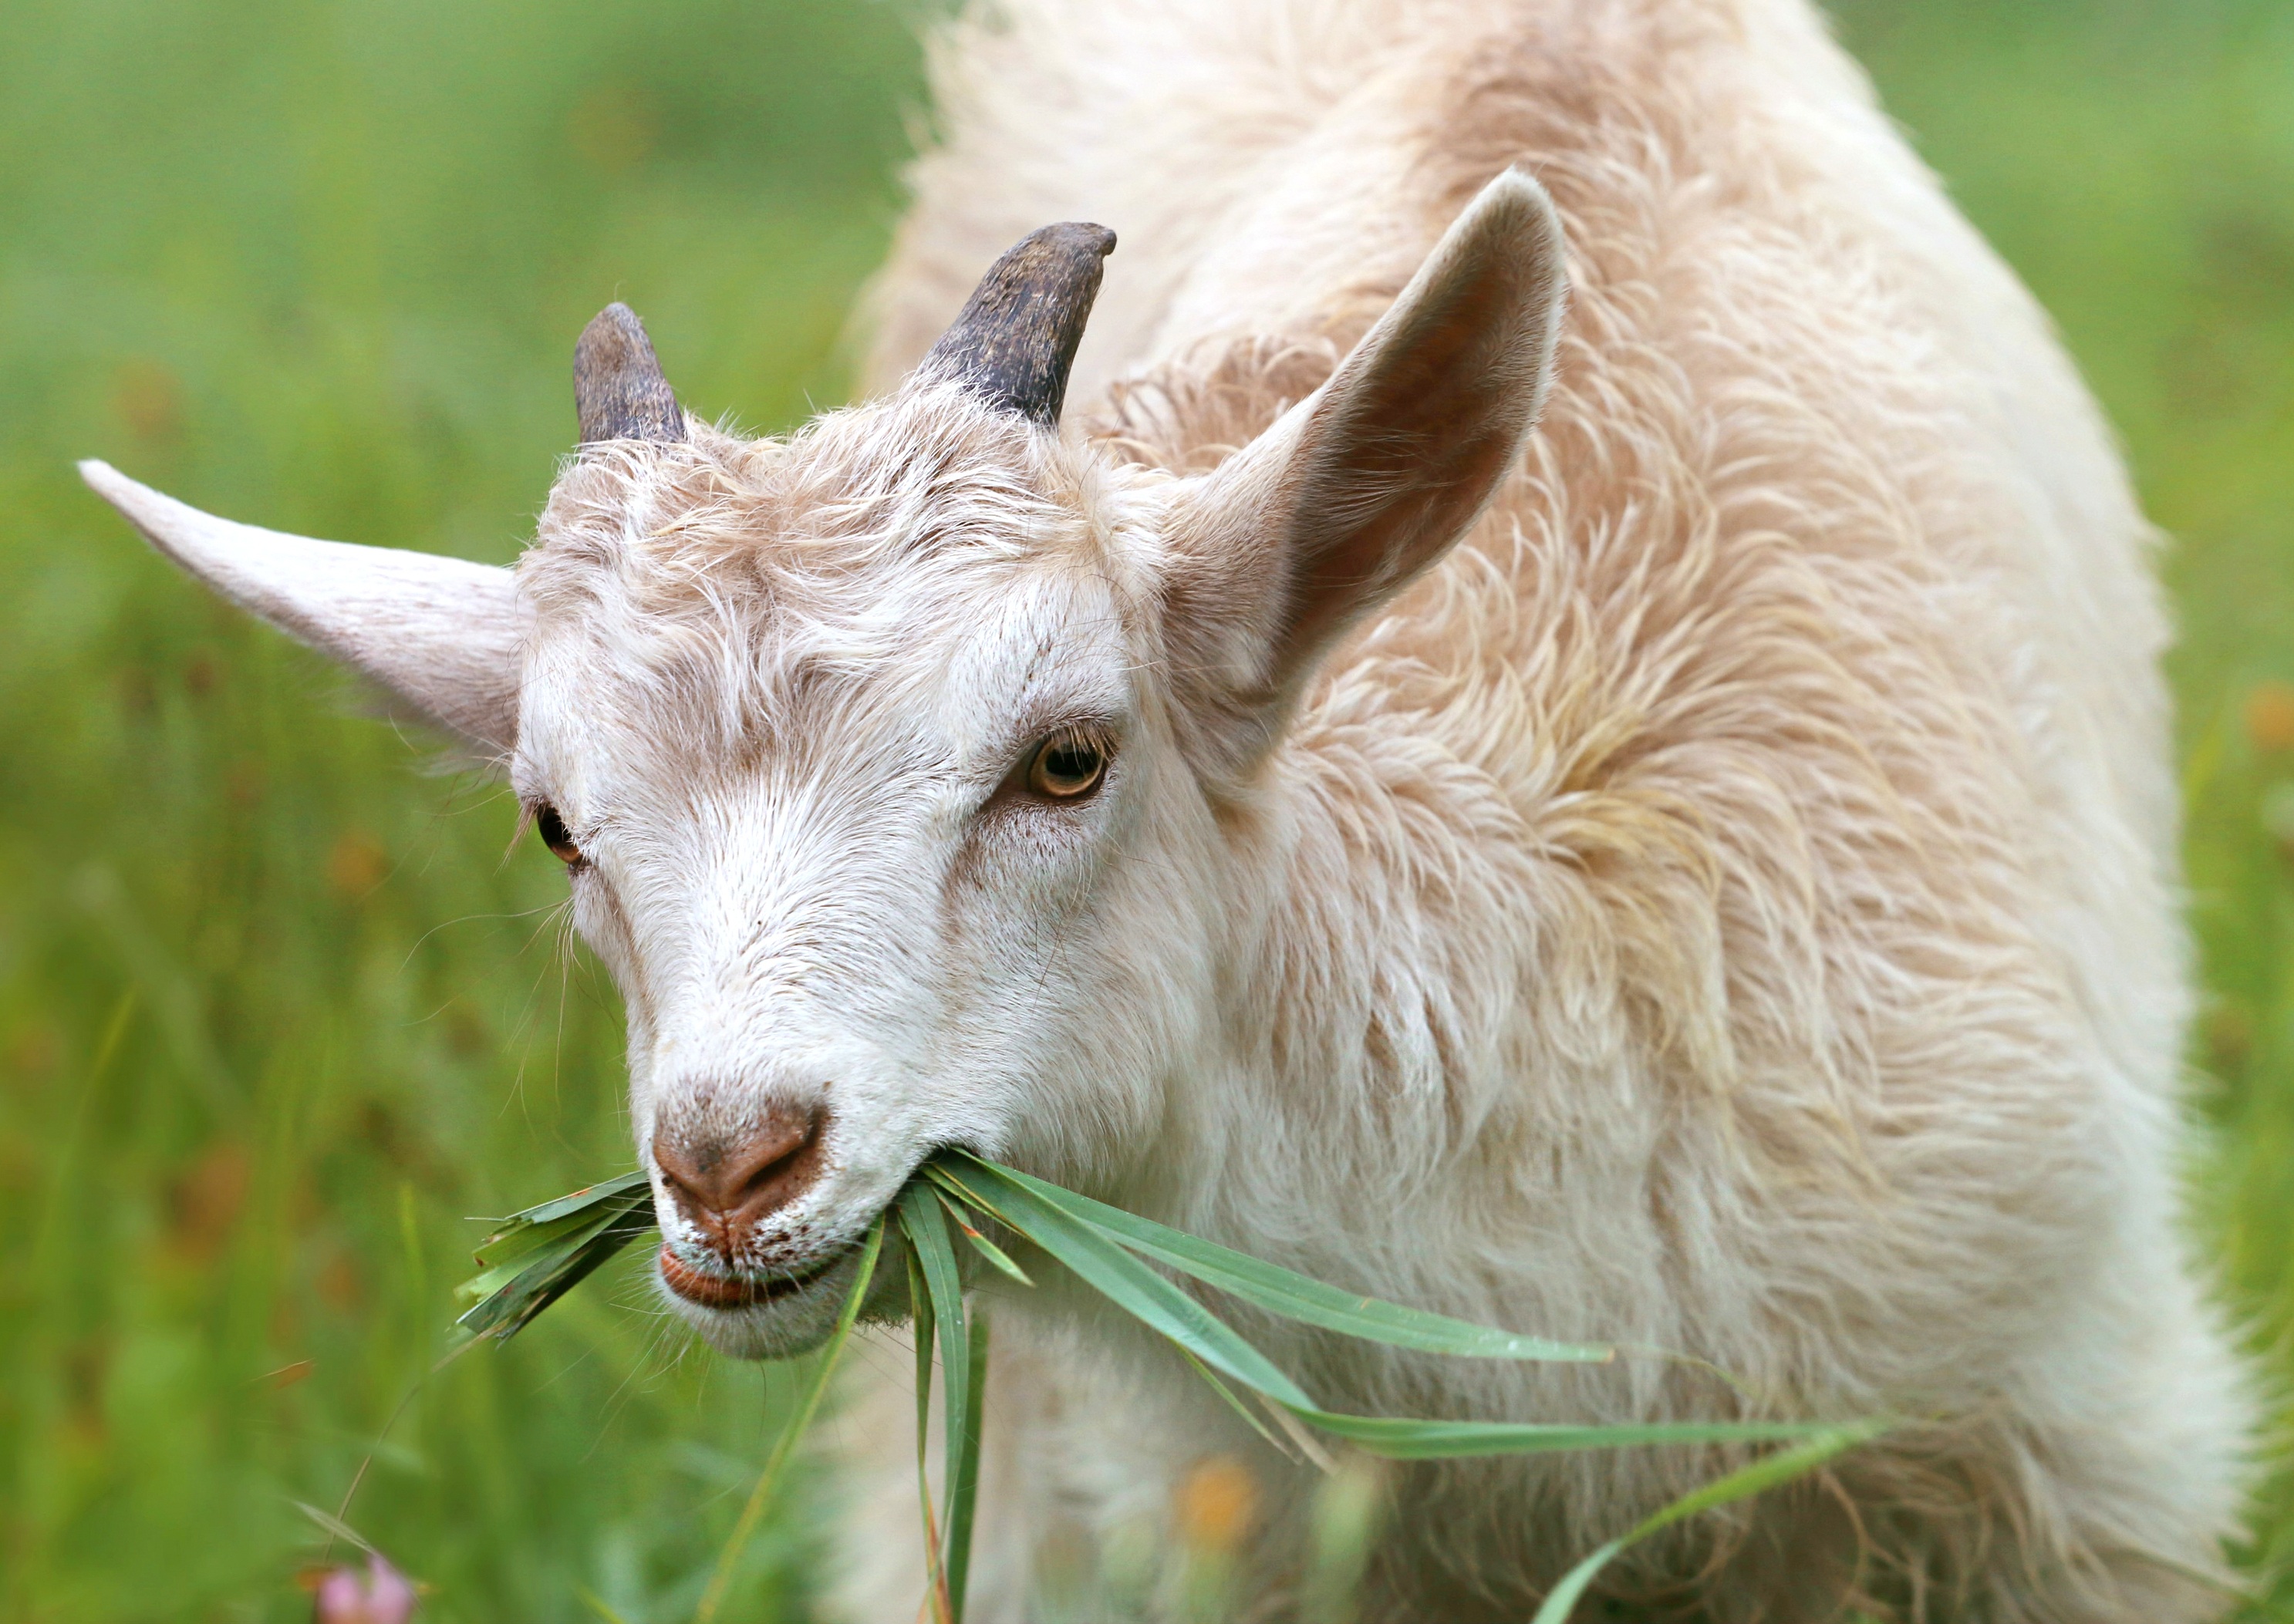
(1015, 339)
(619, 391)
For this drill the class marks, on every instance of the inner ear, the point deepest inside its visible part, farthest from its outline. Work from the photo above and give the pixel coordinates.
(1414, 435)
(1366, 483)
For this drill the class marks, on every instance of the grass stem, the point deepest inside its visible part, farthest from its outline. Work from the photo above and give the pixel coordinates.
(785, 1447)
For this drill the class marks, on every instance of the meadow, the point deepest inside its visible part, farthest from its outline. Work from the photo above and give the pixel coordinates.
(282, 1005)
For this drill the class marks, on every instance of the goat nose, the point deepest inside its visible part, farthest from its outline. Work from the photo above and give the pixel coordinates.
(727, 1184)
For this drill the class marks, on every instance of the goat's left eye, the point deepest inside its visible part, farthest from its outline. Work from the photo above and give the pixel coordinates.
(1068, 765)
(551, 828)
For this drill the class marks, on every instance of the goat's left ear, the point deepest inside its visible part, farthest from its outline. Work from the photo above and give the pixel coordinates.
(1371, 479)
(444, 636)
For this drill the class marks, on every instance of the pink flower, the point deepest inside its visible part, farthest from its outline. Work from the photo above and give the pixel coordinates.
(383, 1597)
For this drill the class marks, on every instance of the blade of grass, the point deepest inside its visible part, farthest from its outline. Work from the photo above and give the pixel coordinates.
(590, 1195)
(1767, 1472)
(1294, 1296)
(334, 1527)
(986, 1247)
(599, 1605)
(537, 1256)
(1128, 1283)
(924, 1324)
(922, 1327)
(554, 1223)
(785, 1445)
(963, 1470)
(537, 1252)
(1109, 1249)
(926, 1227)
(1398, 1438)
(1135, 1287)
(536, 1283)
(1299, 1434)
(1235, 1404)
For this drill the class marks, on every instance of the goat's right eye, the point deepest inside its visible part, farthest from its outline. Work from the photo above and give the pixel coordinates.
(551, 828)
(1068, 765)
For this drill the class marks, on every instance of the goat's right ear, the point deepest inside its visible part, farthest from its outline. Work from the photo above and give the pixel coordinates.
(1363, 484)
(443, 634)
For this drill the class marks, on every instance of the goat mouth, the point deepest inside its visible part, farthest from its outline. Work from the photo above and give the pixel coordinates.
(721, 1291)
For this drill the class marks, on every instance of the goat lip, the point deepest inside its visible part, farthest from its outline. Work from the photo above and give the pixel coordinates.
(726, 1292)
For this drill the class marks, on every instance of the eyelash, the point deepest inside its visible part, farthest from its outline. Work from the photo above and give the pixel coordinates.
(1066, 765)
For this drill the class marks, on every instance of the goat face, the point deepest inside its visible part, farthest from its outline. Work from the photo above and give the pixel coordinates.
(867, 803)
(909, 771)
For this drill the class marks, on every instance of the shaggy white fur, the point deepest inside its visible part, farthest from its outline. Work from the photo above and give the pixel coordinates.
(1724, 904)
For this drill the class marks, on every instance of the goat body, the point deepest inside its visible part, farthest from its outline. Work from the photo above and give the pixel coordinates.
(1727, 904)
(1700, 877)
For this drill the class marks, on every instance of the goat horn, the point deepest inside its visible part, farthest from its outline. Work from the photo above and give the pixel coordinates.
(619, 392)
(1016, 337)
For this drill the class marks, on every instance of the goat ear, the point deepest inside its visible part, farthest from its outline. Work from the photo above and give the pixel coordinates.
(1371, 479)
(443, 634)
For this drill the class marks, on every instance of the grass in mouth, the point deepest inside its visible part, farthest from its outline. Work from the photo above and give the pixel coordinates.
(540, 1254)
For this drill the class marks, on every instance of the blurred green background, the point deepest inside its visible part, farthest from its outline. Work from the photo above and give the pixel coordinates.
(276, 1010)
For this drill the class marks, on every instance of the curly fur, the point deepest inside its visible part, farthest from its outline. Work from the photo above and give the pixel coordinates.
(1728, 903)
(1724, 905)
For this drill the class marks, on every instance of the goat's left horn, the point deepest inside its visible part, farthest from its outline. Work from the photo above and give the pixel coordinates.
(619, 392)
(1016, 337)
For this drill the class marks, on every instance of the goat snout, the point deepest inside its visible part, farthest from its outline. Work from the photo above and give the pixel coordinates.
(727, 1183)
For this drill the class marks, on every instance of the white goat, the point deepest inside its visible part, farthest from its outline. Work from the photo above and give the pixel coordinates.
(1700, 875)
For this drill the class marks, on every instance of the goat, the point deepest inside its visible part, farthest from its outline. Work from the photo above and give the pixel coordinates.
(1699, 874)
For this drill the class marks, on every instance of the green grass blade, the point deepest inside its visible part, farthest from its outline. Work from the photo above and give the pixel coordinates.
(336, 1528)
(921, 1331)
(923, 1327)
(527, 1252)
(964, 1470)
(1767, 1472)
(502, 1257)
(1124, 1280)
(555, 1222)
(987, 1248)
(537, 1256)
(1093, 1252)
(931, 1259)
(1235, 1404)
(478, 1288)
(589, 1196)
(1399, 1439)
(539, 1279)
(926, 1227)
(598, 1604)
(785, 1446)
(1296, 1296)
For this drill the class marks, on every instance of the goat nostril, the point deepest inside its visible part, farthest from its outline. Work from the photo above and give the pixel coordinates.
(726, 1184)
(686, 1184)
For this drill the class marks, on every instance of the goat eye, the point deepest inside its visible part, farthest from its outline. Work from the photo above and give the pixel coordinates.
(1066, 765)
(551, 828)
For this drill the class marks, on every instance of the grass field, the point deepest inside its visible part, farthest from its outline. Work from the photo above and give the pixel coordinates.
(276, 1009)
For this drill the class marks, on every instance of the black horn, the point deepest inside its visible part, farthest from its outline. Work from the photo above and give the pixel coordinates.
(1016, 337)
(619, 392)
